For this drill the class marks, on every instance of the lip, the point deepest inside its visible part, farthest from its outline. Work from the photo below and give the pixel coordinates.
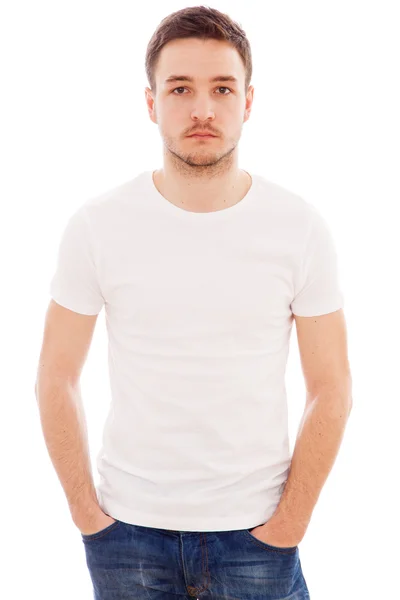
(202, 135)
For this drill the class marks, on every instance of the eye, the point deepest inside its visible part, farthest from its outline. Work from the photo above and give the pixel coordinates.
(225, 88)
(219, 88)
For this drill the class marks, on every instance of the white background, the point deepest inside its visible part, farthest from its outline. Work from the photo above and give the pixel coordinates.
(325, 125)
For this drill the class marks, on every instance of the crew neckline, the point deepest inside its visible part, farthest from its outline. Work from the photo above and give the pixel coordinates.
(209, 215)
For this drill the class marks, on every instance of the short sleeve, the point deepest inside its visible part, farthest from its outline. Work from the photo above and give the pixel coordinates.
(75, 283)
(317, 284)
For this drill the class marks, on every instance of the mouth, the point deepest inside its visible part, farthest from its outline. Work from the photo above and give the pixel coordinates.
(202, 135)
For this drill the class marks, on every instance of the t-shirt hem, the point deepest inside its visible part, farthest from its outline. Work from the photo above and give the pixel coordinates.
(317, 312)
(133, 516)
(71, 305)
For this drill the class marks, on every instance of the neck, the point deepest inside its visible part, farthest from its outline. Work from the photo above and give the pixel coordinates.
(201, 191)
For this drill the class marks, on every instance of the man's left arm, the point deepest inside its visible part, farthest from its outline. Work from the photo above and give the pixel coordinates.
(323, 352)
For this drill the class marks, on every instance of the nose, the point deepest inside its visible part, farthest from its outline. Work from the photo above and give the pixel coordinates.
(203, 110)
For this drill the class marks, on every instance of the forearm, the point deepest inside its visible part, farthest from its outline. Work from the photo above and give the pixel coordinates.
(318, 441)
(64, 428)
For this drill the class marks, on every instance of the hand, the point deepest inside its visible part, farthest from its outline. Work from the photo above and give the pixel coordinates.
(277, 533)
(98, 522)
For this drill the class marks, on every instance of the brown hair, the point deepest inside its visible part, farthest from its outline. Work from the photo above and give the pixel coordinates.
(200, 22)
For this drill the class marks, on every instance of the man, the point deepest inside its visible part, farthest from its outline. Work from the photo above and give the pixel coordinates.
(202, 268)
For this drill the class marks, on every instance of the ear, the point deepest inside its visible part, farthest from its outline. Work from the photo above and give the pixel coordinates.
(150, 104)
(249, 103)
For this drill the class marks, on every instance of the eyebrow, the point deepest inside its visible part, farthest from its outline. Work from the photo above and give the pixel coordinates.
(173, 78)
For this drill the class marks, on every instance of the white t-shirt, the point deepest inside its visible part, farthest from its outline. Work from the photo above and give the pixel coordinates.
(199, 315)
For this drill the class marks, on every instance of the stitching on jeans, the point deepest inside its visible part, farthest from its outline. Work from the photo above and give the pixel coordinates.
(96, 536)
(207, 572)
(204, 563)
(267, 547)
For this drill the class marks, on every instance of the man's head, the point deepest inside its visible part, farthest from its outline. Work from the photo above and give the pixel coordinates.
(199, 43)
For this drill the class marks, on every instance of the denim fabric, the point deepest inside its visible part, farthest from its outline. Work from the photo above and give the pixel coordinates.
(133, 562)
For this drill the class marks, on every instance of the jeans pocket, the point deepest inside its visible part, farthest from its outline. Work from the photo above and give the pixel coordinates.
(99, 534)
(282, 550)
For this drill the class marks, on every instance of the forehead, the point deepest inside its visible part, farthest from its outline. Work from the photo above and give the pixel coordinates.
(199, 59)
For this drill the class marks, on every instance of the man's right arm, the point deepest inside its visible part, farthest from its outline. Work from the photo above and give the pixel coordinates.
(66, 342)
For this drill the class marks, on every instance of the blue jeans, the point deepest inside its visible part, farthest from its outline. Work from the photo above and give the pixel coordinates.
(133, 562)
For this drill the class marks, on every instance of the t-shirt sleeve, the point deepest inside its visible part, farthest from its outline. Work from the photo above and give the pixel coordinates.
(75, 283)
(317, 283)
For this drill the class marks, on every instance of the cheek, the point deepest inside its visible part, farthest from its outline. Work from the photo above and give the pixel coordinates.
(172, 113)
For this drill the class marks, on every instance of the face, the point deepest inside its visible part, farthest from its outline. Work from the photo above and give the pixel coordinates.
(181, 108)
